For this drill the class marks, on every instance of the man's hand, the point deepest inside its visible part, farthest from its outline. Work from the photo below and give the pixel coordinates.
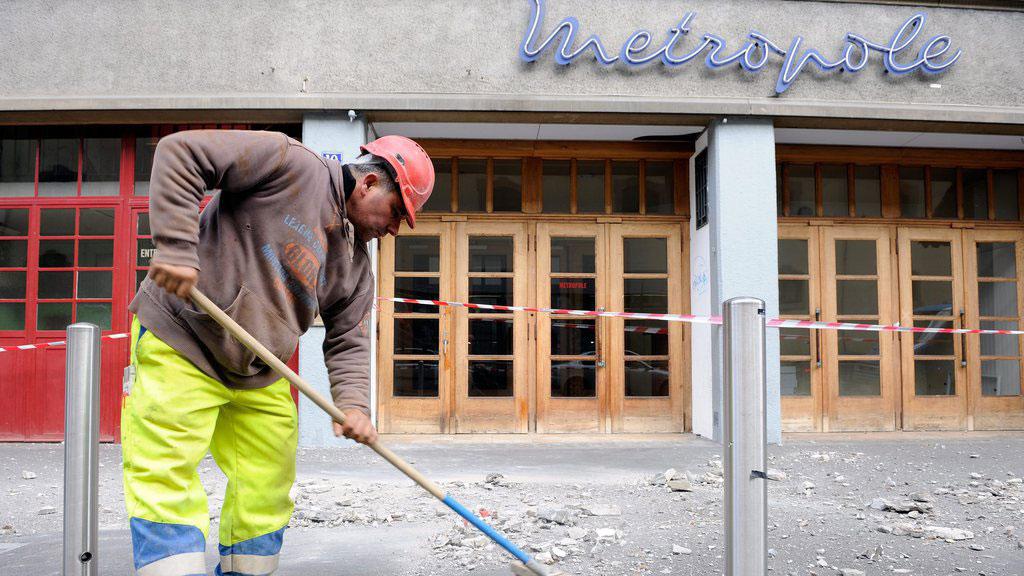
(357, 427)
(177, 280)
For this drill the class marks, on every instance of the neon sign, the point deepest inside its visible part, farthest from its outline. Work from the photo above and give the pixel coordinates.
(932, 58)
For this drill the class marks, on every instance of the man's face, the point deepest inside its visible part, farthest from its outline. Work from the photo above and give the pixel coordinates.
(374, 209)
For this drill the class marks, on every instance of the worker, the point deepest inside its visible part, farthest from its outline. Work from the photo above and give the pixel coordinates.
(282, 242)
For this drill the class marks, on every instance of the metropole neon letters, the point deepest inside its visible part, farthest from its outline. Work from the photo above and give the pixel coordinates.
(932, 58)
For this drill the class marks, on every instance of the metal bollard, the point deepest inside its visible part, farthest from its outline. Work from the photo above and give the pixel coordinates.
(745, 438)
(81, 450)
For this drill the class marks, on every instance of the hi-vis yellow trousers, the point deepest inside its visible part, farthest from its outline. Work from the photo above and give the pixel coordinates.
(172, 414)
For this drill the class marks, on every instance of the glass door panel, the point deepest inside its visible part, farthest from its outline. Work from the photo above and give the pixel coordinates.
(571, 374)
(931, 289)
(993, 261)
(491, 392)
(799, 348)
(646, 384)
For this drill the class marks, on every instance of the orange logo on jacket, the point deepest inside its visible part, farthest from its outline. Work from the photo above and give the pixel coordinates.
(302, 264)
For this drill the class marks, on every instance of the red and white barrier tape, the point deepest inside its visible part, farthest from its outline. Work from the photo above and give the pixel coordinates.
(55, 344)
(690, 318)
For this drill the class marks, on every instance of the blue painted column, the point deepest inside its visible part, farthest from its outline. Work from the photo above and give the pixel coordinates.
(332, 133)
(740, 248)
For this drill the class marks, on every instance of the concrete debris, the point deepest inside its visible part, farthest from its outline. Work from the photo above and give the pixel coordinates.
(680, 485)
(776, 475)
(677, 549)
(910, 506)
(561, 516)
(603, 509)
(28, 474)
(851, 572)
(47, 510)
(495, 479)
(977, 547)
(663, 478)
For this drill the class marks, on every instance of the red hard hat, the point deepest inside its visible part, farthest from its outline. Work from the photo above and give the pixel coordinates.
(412, 169)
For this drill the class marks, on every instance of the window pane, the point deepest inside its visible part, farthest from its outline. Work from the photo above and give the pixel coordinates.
(418, 289)
(56, 284)
(778, 190)
(493, 291)
(416, 378)
(97, 313)
(491, 378)
(13, 253)
(96, 222)
(95, 284)
(555, 185)
(573, 379)
(53, 315)
(14, 222)
(441, 197)
(998, 345)
(930, 259)
(855, 257)
(417, 254)
(56, 253)
(508, 186)
(12, 284)
(852, 343)
(646, 338)
(145, 147)
(934, 378)
(58, 167)
(659, 180)
(933, 343)
(12, 316)
(649, 378)
(857, 297)
(868, 185)
(140, 275)
(417, 336)
(101, 166)
(145, 252)
(143, 224)
(997, 298)
(1000, 378)
(793, 298)
(17, 168)
(912, 192)
(795, 341)
(571, 337)
(626, 187)
(795, 378)
(472, 185)
(590, 186)
(60, 222)
(801, 190)
(860, 378)
(491, 337)
(975, 194)
(95, 253)
(932, 298)
(835, 196)
(573, 293)
(944, 193)
(575, 255)
(792, 256)
(645, 255)
(1004, 184)
(490, 253)
(997, 260)
(646, 295)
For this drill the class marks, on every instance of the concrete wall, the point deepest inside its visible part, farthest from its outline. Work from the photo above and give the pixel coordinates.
(408, 55)
(703, 403)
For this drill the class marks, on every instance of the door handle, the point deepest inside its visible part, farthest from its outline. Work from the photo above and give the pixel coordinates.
(817, 338)
(963, 342)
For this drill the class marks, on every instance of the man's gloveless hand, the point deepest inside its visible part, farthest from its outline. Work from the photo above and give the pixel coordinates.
(177, 280)
(357, 427)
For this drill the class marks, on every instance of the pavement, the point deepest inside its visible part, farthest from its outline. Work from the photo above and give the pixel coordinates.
(848, 504)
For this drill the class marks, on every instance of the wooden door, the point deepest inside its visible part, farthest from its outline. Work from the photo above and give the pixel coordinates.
(858, 367)
(645, 356)
(491, 372)
(414, 352)
(800, 349)
(572, 376)
(931, 295)
(995, 298)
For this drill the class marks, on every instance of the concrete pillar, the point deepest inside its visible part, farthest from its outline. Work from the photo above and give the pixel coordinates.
(735, 254)
(334, 134)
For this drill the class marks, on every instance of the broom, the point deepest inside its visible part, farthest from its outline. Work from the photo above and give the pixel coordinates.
(529, 566)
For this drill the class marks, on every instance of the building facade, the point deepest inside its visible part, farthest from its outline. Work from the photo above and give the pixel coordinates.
(843, 161)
